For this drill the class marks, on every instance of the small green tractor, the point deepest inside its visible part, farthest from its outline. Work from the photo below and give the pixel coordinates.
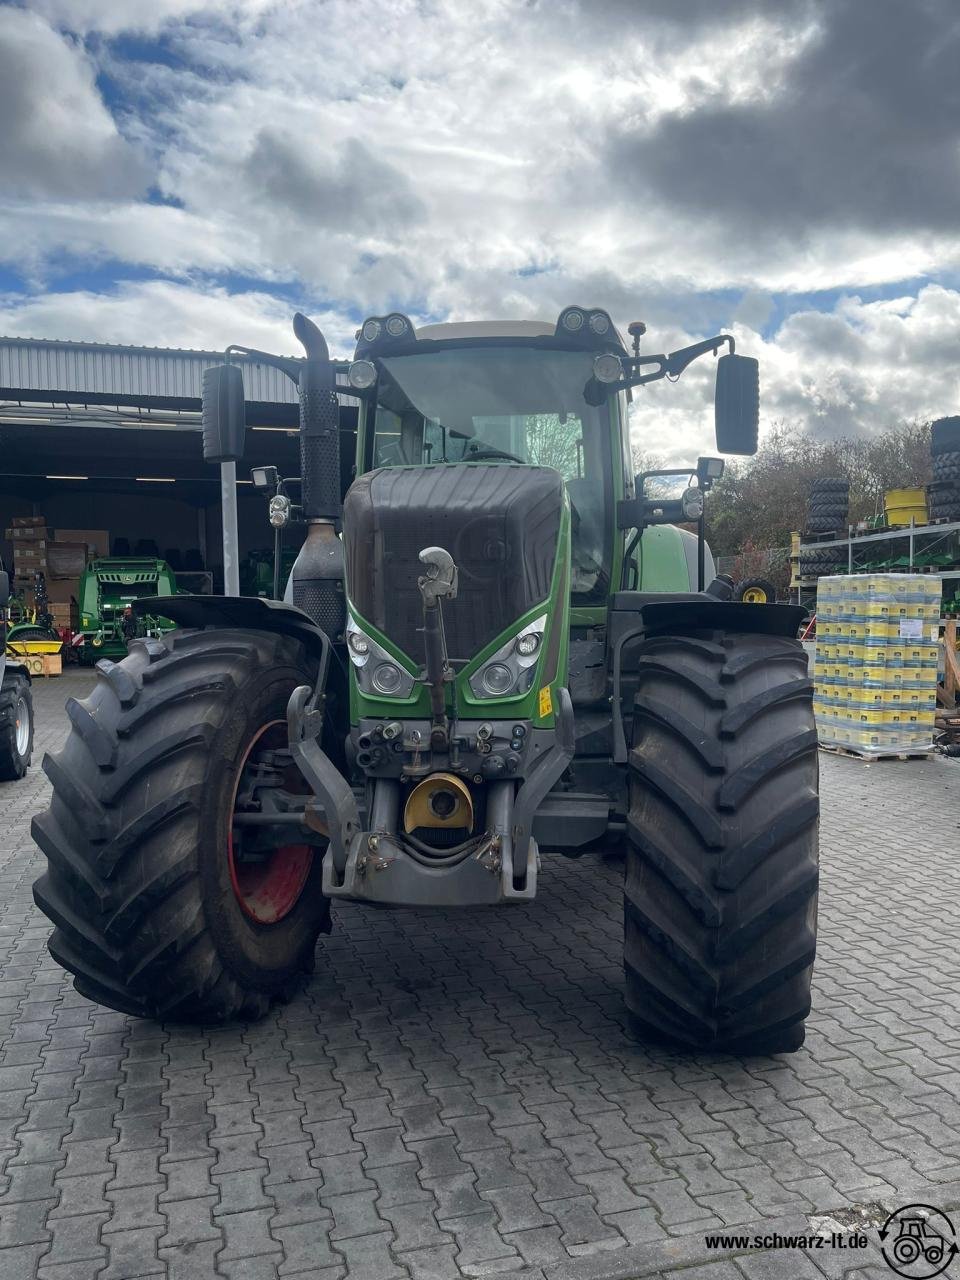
(497, 648)
(109, 588)
(16, 701)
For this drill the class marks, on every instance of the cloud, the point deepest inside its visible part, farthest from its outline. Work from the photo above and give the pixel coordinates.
(855, 370)
(353, 188)
(58, 139)
(111, 18)
(859, 130)
(697, 165)
(159, 313)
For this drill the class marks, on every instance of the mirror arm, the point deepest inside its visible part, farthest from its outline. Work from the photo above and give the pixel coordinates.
(669, 366)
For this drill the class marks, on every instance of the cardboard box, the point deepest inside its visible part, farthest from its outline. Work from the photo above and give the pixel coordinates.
(97, 540)
(62, 590)
(63, 614)
(66, 559)
(29, 533)
(23, 522)
(29, 561)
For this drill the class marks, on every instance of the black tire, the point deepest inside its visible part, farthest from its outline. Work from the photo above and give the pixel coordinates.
(822, 524)
(820, 568)
(751, 589)
(16, 725)
(830, 484)
(138, 880)
(945, 435)
(828, 502)
(720, 893)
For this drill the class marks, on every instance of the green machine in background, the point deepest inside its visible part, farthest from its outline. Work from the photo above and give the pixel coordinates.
(108, 588)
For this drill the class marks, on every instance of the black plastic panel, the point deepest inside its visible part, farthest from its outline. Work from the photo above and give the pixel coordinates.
(500, 523)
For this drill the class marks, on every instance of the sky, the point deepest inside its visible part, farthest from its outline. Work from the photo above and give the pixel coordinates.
(178, 173)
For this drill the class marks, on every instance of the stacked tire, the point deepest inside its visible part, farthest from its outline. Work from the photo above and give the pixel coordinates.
(943, 495)
(827, 508)
(819, 562)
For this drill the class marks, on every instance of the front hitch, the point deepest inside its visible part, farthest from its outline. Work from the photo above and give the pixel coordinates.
(438, 583)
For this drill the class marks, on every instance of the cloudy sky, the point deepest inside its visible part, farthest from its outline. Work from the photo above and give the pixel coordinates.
(187, 174)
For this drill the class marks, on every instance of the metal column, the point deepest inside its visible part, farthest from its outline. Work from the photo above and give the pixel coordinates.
(231, 540)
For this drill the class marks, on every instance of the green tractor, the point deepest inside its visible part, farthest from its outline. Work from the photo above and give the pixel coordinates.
(109, 588)
(497, 648)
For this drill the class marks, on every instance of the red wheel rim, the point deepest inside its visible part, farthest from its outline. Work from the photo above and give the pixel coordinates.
(267, 891)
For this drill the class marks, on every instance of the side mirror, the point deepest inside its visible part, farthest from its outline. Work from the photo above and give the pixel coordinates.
(224, 413)
(4, 587)
(737, 405)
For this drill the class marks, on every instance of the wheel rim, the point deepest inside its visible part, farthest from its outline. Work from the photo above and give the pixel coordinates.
(22, 718)
(267, 891)
(754, 595)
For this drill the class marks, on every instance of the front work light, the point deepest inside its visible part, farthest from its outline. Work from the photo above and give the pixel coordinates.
(370, 330)
(264, 477)
(397, 325)
(709, 468)
(573, 320)
(362, 374)
(278, 511)
(691, 503)
(607, 368)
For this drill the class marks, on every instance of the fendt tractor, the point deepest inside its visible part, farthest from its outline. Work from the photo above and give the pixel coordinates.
(498, 646)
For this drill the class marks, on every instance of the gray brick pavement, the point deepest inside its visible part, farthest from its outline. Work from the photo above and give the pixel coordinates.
(458, 1094)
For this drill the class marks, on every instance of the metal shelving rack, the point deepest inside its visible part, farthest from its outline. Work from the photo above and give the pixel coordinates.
(806, 594)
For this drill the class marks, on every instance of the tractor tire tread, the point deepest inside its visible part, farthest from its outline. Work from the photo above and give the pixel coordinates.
(122, 882)
(722, 872)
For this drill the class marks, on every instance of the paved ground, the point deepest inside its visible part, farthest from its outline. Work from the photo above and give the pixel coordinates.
(456, 1095)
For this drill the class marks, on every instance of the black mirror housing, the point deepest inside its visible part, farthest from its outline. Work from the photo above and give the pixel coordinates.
(224, 413)
(737, 404)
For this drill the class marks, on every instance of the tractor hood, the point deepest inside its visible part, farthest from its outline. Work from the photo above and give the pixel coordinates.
(501, 523)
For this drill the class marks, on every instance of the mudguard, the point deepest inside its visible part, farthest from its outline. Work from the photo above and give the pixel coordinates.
(637, 615)
(244, 612)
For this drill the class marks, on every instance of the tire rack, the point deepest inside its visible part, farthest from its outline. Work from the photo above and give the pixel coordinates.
(806, 593)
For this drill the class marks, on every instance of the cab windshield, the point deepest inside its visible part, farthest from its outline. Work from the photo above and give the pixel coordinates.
(502, 405)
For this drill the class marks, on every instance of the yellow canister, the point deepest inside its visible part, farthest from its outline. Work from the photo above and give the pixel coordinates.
(900, 506)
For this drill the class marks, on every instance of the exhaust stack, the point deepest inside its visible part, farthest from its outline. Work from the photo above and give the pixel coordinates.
(318, 571)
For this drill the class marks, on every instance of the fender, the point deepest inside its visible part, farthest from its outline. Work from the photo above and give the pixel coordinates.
(636, 615)
(245, 613)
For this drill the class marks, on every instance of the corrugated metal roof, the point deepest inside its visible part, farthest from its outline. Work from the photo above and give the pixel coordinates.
(39, 364)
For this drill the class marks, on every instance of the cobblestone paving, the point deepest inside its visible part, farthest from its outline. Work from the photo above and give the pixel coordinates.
(457, 1094)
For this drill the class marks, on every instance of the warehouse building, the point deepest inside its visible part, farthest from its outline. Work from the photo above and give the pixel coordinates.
(105, 441)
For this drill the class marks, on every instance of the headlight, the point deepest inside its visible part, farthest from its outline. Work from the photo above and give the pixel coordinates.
(387, 678)
(370, 330)
(572, 320)
(509, 671)
(599, 323)
(397, 326)
(497, 679)
(376, 671)
(359, 644)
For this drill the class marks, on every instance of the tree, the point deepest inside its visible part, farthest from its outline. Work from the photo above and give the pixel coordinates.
(762, 500)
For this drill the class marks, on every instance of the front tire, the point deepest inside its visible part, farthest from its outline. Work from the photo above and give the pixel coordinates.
(720, 893)
(141, 883)
(16, 726)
